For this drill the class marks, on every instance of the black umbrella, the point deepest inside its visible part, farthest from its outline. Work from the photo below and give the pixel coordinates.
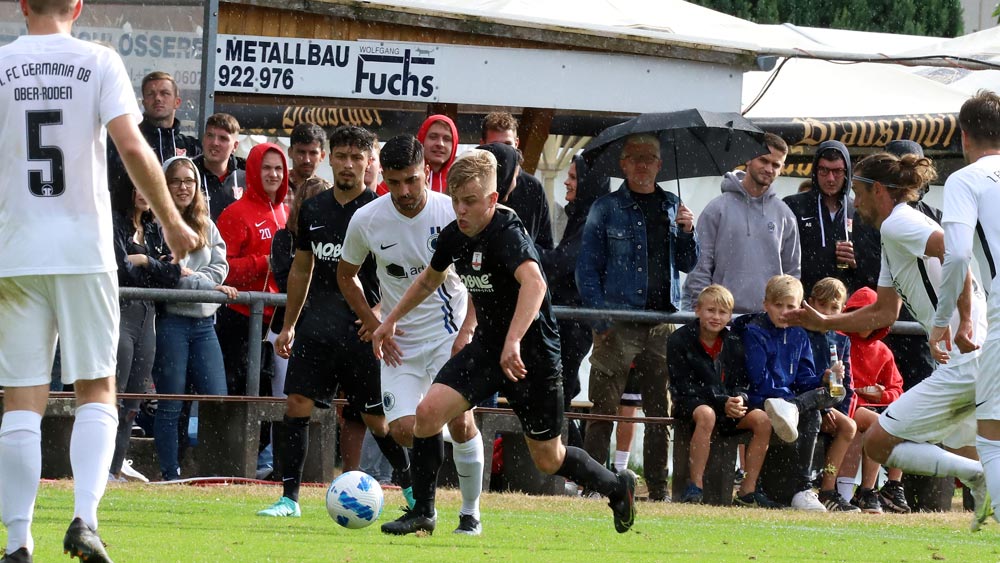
(693, 143)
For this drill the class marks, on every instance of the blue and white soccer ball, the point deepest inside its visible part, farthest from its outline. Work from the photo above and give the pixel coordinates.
(354, 500)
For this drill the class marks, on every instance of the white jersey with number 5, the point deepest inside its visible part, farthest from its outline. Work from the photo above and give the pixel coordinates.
(57, 95)
(403, 247)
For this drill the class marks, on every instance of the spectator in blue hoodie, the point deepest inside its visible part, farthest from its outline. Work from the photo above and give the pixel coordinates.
(783, 380)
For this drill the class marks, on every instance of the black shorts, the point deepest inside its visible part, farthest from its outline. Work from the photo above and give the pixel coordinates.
(317, 369)
(537, 400)
(632, 394)
(725, 425)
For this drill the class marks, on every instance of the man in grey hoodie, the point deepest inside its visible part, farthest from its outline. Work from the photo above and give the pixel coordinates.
(747, 234)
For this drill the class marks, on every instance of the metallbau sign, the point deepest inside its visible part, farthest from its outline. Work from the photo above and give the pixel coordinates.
(426, 72)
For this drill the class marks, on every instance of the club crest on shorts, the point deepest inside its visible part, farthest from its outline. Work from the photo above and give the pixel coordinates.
(388, 401)
(477, 260)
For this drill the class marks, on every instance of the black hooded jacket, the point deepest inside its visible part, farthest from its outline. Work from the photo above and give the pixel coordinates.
(527, 199)
(166, 142)
(819, 233)
(559, 263)
(697, 379)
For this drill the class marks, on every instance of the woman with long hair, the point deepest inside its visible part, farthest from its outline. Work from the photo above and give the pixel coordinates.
(186, 343)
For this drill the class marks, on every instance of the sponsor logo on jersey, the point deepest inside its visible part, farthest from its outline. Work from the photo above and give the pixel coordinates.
(478, 284)
(477, 260)
(327, 251)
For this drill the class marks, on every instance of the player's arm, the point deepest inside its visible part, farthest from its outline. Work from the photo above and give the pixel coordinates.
(878, 315)
(354, 294)
(468, 328)
(955, 253)
(147, 175)
(299, 278)
(383, 344)
(529, 301)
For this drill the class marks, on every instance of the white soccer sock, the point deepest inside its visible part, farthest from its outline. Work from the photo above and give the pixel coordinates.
(989, 455)
(21, 452)
(621, 460)
(845, 486)
(930, 460)
(469, 466)
(91, 447)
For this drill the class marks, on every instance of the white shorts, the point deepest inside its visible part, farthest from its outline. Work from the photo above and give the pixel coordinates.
(988, 382)
(939, 410)
(404, 386)
(80, 310)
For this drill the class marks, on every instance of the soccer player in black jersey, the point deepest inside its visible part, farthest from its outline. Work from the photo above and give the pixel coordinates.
(328, 352)
(515, 349)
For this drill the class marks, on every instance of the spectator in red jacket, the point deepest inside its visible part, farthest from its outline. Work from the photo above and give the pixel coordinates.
(877, 382)
(248, 226)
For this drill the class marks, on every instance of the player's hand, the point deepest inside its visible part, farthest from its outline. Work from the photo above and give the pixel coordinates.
(735, 407)
(366, 329)
(180, 238)
(940, 335)
(964, 337)
(230, 291)
(685, 219)
(806, 317)
(463, 338)
(510, 361)
(283, 344)
(384, 344)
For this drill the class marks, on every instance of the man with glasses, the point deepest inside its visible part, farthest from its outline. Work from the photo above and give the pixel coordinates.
(636, 241)
(825, 216)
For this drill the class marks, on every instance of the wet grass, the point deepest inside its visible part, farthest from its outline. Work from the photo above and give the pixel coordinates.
(152, 524)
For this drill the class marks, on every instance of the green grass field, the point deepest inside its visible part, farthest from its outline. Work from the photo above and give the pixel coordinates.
(153, 524)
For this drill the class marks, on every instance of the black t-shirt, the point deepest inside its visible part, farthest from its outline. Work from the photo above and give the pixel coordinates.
(322, 226)
(657, 250)
(486, 265)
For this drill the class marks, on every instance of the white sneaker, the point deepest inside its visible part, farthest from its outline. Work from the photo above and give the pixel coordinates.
(807, 500)
(983, 508)
(784, 419)
(113, 479)
(129, 473)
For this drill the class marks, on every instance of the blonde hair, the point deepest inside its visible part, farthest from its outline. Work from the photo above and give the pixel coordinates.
(904, 177)
(718, 295)
(829, 290)
(476, 164)
(640, 139)
(781, 286)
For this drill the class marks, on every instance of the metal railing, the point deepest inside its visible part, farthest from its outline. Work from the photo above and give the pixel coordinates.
(257, 300)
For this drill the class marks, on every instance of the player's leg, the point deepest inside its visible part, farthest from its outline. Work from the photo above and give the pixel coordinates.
(988, 419)
(441, 404)
(88, 318)
(467, 450)
(28, 342)
(927, 414)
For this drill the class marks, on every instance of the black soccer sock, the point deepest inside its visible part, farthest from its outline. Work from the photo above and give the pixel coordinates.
(397, 459)
(291, 443)
(582, 469)
(428, 455)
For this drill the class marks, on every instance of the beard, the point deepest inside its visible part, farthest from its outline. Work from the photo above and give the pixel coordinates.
(348, 185)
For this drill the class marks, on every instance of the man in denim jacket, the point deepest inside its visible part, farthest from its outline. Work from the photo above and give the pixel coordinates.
(636, 241)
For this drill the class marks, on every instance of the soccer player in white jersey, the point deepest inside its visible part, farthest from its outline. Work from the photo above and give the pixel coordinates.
(59, 96)
(941, 408)
(971, 203)
(401, 231)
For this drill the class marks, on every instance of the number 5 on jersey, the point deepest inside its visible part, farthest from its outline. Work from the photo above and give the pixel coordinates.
(37, 152)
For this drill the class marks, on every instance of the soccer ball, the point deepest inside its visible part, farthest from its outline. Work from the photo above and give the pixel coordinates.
(354, 500)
